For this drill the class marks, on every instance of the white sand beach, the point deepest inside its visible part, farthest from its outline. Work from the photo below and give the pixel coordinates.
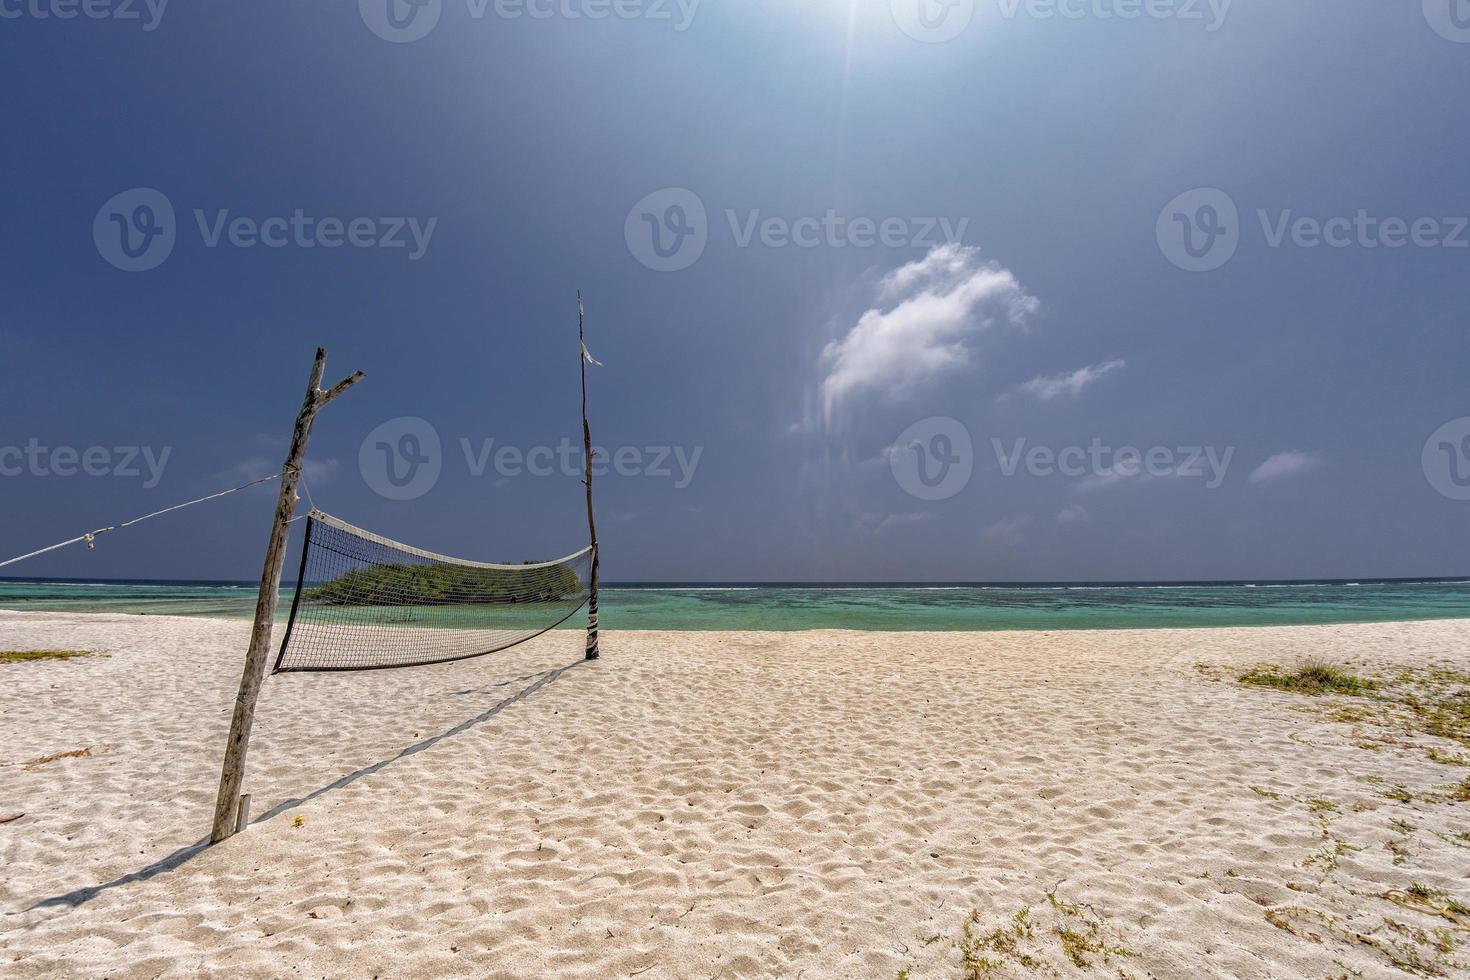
(823, 804)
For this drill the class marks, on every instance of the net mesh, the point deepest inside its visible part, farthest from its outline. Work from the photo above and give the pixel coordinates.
(365, 602)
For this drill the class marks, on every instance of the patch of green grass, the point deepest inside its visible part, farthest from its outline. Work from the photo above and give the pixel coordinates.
(1401, 945)
(1328, 857)
(1078, 946)
(1423, 892)
(1021, 941)
(1435, 900)
(26, 656)
(1007, 940)
(1398, 794)
(1312, 676)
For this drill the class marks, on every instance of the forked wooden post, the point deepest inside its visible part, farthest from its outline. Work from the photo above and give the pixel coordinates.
(584, 357)
(232, 775)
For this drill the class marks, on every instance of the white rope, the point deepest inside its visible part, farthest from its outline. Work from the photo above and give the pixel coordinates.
(89, 539)
(342, 525)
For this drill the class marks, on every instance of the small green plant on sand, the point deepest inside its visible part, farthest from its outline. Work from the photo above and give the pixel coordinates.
(1007, 940)
(27, 656)
(1412, 702)
(1414, 951)
(1312, 676)
(1436, 754)
(1020, 941)
(1077, 945)
(1397, 793)
(1328, 857)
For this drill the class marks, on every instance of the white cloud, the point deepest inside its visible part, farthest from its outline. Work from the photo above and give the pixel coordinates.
(1283, 465)
(1005, 532)
(1075, 514)
(927, 311)
(1052, 386)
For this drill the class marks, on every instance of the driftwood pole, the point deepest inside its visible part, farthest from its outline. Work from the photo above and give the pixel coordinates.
(227, 808)
(584, 357)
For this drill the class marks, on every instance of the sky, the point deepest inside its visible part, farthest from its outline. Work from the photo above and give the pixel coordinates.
(920, 290)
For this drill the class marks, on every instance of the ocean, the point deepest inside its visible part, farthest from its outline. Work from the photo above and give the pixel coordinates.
(888, 606)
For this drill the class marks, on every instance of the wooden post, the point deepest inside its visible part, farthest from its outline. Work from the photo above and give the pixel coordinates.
(232, 774)
(584, 357)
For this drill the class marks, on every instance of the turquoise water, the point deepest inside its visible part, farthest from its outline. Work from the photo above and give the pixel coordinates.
(865, 607)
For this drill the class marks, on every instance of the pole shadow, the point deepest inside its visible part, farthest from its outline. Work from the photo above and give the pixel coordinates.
(81, 896)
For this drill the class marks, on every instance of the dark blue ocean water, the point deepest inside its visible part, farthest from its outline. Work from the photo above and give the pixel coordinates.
(892, 606)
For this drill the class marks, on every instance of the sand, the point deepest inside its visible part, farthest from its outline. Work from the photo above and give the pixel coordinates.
(821, 804)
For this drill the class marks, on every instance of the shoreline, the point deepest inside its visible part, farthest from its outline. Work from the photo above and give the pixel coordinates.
(280, 622)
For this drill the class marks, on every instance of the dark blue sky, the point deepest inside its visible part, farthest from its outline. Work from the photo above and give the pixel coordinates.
(1074, 154)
